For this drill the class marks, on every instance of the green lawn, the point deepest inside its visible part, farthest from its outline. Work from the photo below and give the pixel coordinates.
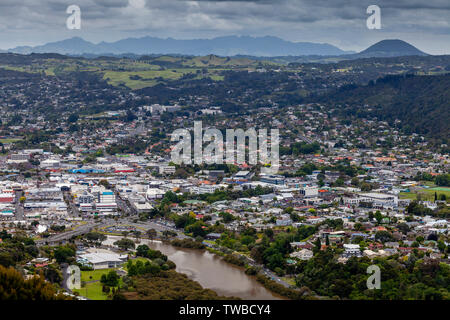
(438, 189)
(95, 274)
(93, 290)
(148, 77)
(428, 194)
(291, 281)
(428, 183)
(9, 140)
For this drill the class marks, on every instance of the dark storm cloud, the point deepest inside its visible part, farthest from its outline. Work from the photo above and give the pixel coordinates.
(341, 22)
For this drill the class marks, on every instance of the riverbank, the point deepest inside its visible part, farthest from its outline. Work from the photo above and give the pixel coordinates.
(252, 271)
(211, 271)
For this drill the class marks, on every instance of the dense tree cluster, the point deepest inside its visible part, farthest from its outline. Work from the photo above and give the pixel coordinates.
(168, 285)
(404, 97)
(13, 286)
(187, 243)
(413, 278)
(16, 249)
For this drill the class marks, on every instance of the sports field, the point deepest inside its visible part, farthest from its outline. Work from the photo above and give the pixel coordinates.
(427, 194)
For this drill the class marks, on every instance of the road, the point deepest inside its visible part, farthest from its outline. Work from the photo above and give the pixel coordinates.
(19, 207)
(124, 207)
(69, 234)
(158, 225)
(72, 210)
(146, 225)
(83, 229)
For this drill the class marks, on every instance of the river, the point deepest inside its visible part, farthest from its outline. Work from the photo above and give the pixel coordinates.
(210, 271)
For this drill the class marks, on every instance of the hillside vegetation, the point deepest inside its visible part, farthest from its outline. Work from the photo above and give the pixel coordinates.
(420, 103)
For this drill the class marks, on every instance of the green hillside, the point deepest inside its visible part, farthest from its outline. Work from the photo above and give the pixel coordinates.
(420, 103)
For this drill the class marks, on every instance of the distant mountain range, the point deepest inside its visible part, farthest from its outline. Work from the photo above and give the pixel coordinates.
(221, 46)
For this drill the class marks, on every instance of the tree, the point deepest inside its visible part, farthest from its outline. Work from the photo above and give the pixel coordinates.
(378, 216)
(383, 236)
(125, 244)
(64, 254)
(257, 253)
(130, 116)
(441, 246)
(197, 229)
(110, 279)
(443, 180)
(418, 209)
(151, 234)
(73, 118)
(168, 234)
(317, 245)
(137, 234)
(339, 182)
(104, 183)
(226, 216)
(358, 226)
(288, 210)
(141, 251)
(403, 227)
(246, 240)
(269, 233)
(355, 181)
(95, 237)
(14, 287)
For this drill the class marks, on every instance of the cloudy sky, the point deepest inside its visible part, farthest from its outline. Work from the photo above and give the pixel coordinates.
(423, 23)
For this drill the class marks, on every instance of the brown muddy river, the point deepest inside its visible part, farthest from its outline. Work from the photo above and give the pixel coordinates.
(211, 271)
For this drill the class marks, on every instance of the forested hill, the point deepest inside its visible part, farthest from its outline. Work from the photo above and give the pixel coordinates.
(421, 103)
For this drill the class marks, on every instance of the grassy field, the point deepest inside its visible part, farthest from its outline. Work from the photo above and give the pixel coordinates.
(291, 281)
(438, 189)
(427, 194)
(147, 78)
(9, 140)
(141, 79)
(94, 274)
(92, 291)
(93, 287)
(145, 73)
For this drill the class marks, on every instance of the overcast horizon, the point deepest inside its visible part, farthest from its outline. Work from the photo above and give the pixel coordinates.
(425, 25)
